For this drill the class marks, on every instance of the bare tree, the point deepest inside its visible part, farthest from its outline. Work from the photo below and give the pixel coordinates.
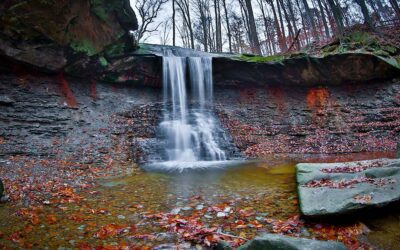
(165, 31)
(173, 23)
(228, 29)
(337, 16)
(365, 12)
(201, 7)
(321, 9)
(184, 6)
(148, 11)
(218, 26)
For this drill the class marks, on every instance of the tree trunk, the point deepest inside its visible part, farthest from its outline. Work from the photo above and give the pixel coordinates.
(337, 15)
(218, 33)
(311, 19)
(302, 22)
(327, 34)
(293, 17)
(278, 29)
(173, 23)
(289, 24)
(267, 36)
(395, 7)
(255, 44)
(365, 12)
(227, 26)
(281, 22)
(245, 18)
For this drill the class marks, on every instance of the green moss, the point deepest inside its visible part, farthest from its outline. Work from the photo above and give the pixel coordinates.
(360, 38)
(103, 61)
(114, 50)
(143, 49)
(47, 2)
(359, 42)
(83, 46)
(390, 49)
(97, 8)
(261, 59)
(110, 77)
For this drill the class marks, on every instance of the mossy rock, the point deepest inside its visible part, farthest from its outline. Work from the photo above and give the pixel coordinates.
(306, 70)
(62, 30)
(260, 59)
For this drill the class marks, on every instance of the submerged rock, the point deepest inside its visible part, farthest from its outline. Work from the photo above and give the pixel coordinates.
(275, 241)
(341, 188)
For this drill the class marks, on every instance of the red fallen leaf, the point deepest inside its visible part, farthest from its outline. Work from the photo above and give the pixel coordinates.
(109, 247)
(16, 237)
(51, 218)
(27, 229)
(68, 192)
(109, 230)
(34, 219)
(76, 217)
(246, 212)
(84, 246)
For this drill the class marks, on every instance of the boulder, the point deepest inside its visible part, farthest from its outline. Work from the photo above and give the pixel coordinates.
(342, 188)
(305, 70)
(49, 35)
(281, 242)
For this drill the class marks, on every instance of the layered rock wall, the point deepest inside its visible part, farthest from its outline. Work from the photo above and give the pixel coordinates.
(325, 119)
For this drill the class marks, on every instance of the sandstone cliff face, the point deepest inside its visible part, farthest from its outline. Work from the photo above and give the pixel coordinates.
(51, 35)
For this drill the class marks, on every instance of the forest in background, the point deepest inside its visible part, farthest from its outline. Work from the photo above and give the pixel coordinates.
(263, 27)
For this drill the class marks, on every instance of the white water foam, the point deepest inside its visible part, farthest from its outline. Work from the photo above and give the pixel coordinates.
(189, 125)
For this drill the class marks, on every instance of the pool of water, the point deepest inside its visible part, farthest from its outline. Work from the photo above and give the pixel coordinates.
(240, 200)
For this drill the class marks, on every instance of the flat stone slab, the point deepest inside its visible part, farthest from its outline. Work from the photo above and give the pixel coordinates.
(342, 188)
(281, 242)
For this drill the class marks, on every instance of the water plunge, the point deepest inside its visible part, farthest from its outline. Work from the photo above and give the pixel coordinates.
(193, 136)
(189, 125)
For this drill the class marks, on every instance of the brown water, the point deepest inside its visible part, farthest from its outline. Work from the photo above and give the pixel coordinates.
(257, 195)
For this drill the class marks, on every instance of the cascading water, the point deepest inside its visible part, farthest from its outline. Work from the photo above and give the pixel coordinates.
(192, 135)
(189, 127)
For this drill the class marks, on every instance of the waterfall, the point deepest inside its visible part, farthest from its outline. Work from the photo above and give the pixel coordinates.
(189, 126)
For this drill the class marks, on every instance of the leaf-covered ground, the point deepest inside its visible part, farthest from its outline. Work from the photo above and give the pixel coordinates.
(144, 210)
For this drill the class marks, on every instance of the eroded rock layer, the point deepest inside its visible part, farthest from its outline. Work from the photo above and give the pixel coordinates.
(330, 119)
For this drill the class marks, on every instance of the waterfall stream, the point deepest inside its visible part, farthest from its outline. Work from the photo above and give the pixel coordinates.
(189, 125)
(193, 136)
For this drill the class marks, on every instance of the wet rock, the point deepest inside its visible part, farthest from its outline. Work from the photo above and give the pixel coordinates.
(274, 241)
(49, 36)
(306, 70)
(6, 100)
(199, 207)
(221, 214)
(1, 189)
(341, 188)
(223, 245)
(175, 210)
